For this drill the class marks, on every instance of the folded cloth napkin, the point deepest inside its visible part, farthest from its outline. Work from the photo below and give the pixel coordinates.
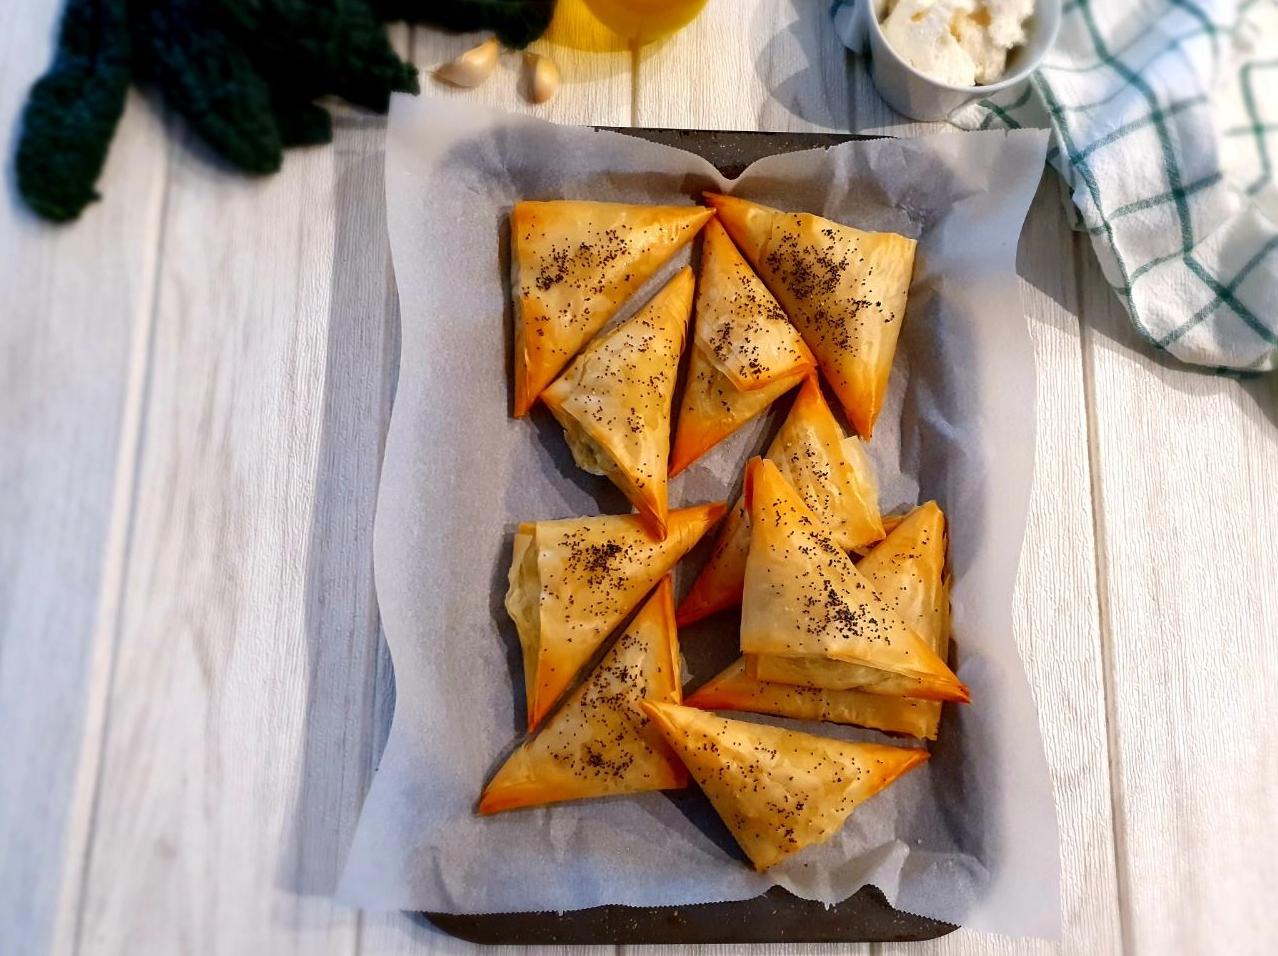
(1165, 131)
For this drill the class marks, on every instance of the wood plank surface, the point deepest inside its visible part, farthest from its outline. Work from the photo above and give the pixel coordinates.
(75, 302)
(237, 743)
(765, 65)
(1188, 517)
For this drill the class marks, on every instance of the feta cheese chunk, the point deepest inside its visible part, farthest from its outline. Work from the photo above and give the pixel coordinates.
(959, 42)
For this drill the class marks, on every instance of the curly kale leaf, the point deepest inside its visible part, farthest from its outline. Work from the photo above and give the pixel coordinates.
(242, 73)
(309, 48)
(206, 76)
(302, 123)
(72, 110)
(516, 22)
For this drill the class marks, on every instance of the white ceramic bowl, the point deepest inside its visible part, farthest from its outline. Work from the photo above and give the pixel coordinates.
(919, 96)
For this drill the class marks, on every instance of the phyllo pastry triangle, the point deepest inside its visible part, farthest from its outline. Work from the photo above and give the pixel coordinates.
(805, 598)
(843, 288)
(572, 581)
(777, 790)
(833, 476)
(907, 571)
(745, 352)
(573, 265)
(600, 743)
(735, 689)
(614, 400)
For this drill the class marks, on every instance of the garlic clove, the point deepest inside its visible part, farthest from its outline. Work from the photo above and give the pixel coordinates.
(472, 67)
(543, 82)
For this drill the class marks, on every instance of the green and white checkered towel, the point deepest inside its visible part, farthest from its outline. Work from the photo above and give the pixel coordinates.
(1165, 123)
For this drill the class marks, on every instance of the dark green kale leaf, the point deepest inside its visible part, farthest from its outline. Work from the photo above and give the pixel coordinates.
(242, 73)
(516, 22)
(72, 110)
(310, 48)
(302, 123)
(206, 76)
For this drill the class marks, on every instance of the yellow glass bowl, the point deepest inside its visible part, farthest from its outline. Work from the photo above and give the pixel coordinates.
(644, 20)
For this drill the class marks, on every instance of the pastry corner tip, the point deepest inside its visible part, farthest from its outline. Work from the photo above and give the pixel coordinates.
(535, 714)
(754, 471)
(523, 402)
(954, 691)
(686, 616)
(702, 700)
(488, 804)
(656, 527)
(719, 203)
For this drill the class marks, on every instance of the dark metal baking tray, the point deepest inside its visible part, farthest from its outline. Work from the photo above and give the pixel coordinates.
(776, 916)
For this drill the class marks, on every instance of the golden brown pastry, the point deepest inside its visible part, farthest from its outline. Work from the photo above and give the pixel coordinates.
(777, 790)
(614, 400)
(805, 598)
(572, 581)
(891, 521)
(718, 586)
(573, 265)
(745, 352)
(711, 410)
(600, 743)
(835, 479)
(832, 474)
(907, 570)
(735, 689)
(843, 288)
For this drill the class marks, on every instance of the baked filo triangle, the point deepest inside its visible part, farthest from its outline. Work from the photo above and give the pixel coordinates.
(574, 580)
(844, 288)
(573, 264)
(734, 689)
(804, 597)
(777, 790)
(614, 400)
(907, 571)
(745, 352)
(833, 476)
(600, 743)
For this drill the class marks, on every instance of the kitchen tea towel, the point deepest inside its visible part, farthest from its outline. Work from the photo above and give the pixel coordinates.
(1166, 134)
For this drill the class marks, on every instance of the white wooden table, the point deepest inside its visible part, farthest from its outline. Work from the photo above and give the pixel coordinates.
(195, 383)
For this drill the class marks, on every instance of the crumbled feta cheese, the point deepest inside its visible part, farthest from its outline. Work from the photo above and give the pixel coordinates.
(959, 42)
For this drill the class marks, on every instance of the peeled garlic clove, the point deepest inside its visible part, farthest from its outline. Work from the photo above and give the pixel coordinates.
(472, 67)
(543, 80)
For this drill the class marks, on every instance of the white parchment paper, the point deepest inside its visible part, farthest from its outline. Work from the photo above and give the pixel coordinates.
(971, 837)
